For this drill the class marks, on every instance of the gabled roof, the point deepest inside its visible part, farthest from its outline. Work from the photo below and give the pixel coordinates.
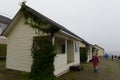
(98, 46)
(39, 15)
(5, 19)
(86, 43)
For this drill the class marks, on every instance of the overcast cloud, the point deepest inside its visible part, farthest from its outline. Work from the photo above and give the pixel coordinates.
(96, 21)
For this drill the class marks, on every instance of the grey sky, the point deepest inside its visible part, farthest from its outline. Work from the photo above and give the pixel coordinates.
(96, 21)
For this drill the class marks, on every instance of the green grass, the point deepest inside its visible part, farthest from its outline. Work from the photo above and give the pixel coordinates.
(7, 74)
(72, 75)
(119, 64)
(86, 66)
(107, 70)
(3, 48)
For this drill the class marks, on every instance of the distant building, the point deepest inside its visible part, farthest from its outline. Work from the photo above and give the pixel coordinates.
(100, 50)
(4, 21)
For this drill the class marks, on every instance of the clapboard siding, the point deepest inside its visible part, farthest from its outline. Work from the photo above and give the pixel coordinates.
(19, 45)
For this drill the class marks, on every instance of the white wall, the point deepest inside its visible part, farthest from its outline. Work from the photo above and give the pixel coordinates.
(82, 44)
(60, 63)
(19, 50)
(77, 54)
(61, 60)
(19, 47)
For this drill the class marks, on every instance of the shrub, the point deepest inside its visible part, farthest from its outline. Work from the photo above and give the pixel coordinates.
(83, 57)
(119, 57)
(3, 49)
(43, 59)
(83, 54)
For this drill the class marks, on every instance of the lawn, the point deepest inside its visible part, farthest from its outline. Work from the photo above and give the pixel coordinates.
(76, 75)
(7, 74)
(106, 72)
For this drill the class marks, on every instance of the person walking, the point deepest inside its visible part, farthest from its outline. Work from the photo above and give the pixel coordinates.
(95, 62)
(112, 57)
(106, 56)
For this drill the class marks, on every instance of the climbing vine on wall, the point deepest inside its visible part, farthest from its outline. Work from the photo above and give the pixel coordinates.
(43, 52)
(37, 22)
(43, 58)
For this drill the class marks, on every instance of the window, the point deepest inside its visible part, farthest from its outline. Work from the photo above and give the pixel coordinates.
(2, 27)
(63, 49)
(76, 46)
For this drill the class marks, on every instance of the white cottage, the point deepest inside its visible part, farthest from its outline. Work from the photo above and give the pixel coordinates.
(100, 50)
(20, 41)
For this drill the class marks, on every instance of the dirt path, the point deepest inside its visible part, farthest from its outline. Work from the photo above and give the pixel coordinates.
(108, 70)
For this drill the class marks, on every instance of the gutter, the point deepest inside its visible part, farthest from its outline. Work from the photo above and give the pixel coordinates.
(71, 35)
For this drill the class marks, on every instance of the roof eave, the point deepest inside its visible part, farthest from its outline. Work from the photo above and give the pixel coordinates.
(70, 35)
(10, 25)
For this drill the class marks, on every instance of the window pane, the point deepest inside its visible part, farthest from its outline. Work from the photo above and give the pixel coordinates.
(63, 48)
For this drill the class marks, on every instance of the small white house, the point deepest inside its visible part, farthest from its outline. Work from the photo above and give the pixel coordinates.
(20, 41)
(100, 50)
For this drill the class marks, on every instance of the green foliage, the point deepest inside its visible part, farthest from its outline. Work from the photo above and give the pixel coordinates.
(83, 54)
(42, 50)
(37, 22)
(43, 58)
(3, 49)
(83, 57)
(119, 57)
(93, 49)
